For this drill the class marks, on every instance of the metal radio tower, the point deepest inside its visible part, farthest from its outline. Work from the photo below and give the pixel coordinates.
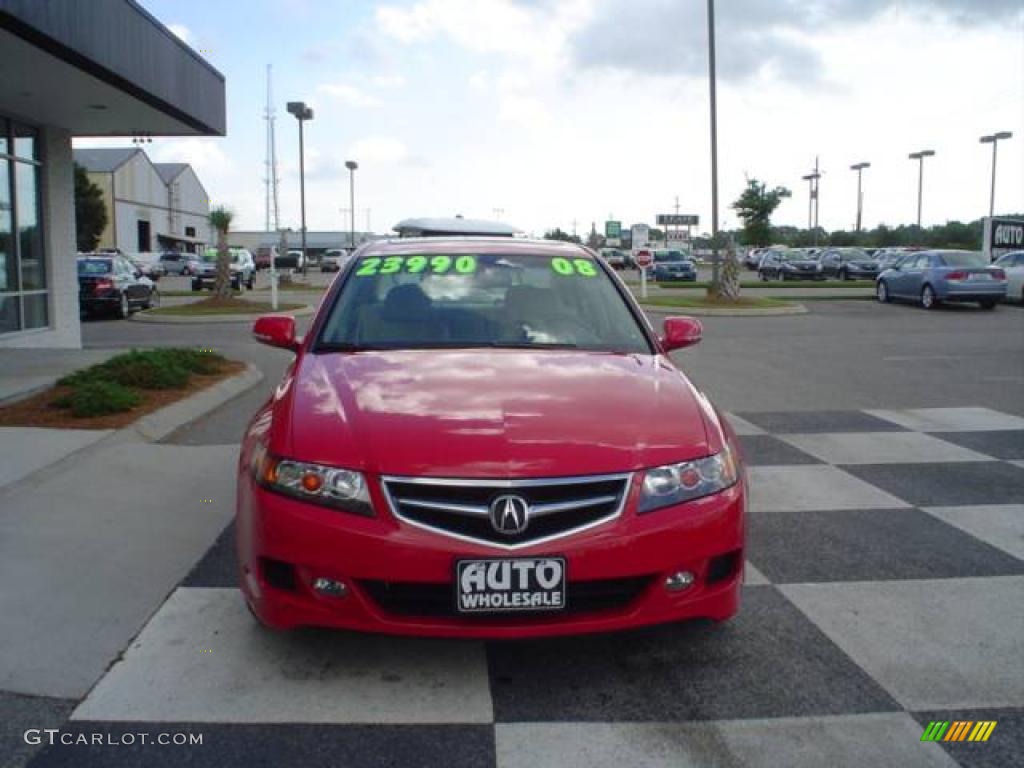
(270, 180)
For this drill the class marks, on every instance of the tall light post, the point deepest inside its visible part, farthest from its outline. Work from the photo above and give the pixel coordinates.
(920, 156)
(302, 114)
(994, 141)
(352, 165)
(716, 284)
(812, 180)
(858, 167)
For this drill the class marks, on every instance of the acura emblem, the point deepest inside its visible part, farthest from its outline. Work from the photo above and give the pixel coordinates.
(509, 514)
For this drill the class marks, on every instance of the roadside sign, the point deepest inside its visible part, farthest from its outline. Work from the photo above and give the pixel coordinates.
(641, 235)
(678, 220)
(613, 229)
(1002, 235)
(644, 258)
(613, 242)
(677, 237)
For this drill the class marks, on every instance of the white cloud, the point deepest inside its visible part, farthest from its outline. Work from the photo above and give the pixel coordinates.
(379, 150)
(182, 32)
(349, 95)
(388, 81)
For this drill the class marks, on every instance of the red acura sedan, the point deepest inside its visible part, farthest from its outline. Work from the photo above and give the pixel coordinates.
(483, 437)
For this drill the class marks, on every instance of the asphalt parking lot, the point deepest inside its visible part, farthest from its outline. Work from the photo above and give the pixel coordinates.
(884, 582)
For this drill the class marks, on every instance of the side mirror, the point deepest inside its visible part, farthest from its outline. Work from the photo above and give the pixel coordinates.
(681, 332)
(276, 331)
(137, 273)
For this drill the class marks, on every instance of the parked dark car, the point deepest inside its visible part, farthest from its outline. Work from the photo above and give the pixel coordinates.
(849, 264)
(789, 265)
(932, 277)
(111, 283)
(672, 265)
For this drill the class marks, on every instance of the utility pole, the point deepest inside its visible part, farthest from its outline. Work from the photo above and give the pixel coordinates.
(858, 167)
(812, 200)
(271, 163)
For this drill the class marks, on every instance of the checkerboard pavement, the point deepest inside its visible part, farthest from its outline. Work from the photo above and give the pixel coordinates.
(885, 589)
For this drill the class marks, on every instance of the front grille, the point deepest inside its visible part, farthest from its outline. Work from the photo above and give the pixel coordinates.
(461, 508)
(438, 600)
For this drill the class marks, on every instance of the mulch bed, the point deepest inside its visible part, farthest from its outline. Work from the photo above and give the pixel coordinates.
(38, 411)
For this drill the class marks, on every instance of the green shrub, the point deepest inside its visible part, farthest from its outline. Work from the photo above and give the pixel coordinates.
(98, 398)
(195, 360)
(146, 369)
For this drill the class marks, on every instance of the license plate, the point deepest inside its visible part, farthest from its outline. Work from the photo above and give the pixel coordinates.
(510, 584)
(980, 276)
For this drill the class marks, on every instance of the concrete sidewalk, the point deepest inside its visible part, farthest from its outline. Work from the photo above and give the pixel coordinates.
(23, 372)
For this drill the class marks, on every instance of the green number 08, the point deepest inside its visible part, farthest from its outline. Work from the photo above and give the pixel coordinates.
(582, 267)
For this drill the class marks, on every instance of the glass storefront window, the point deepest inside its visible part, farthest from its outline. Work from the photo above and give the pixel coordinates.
(29, 235)
(26, 144)
(24, 301)
(35, 310)
(8, 266)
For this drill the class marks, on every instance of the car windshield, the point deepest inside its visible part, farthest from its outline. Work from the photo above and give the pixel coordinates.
(94, 266)
(964, 259)
(432, 300)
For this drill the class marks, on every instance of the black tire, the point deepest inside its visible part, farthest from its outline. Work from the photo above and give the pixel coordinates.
(763, 275)
(928, 298)
(236, 285)
(843, 275)
(988, 304)
(124, 307)
(197, 285)
(882, 292)
(251, 284)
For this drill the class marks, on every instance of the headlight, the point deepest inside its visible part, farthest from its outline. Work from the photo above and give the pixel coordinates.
(676, 483)
(343, 489)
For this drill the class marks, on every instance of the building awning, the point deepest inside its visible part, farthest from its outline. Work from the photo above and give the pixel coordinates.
(104, 69)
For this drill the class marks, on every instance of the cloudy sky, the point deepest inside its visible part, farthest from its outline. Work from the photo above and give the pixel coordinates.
(551, 111)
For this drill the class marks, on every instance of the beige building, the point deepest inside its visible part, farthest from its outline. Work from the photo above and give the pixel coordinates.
(150, 206)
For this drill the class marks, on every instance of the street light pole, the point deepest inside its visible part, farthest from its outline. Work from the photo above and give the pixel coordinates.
(994, 141)
(716, 284)
(920, 156)
(302, 114)
(860, 197)
(352, 165)
(812, 200)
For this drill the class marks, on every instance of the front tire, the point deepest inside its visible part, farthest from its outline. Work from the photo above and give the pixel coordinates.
(882, 292)
(928, 298)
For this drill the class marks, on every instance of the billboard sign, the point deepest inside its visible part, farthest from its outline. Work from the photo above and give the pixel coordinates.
(1002, 236)
(678, 219)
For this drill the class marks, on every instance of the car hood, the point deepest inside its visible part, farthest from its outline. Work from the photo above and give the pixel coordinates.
(489, 413)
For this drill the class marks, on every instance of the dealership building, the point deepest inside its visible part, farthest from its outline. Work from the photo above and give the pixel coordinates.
(97, 68)
(150, 206)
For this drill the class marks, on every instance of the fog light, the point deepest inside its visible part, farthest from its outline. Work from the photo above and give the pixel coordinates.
(330, 587)
(679, 581)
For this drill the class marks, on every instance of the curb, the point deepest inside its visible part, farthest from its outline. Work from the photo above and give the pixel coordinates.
(142, 317)
(796, 309)
(157, 425)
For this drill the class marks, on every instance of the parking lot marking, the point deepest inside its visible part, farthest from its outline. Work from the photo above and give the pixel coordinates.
(973, 419)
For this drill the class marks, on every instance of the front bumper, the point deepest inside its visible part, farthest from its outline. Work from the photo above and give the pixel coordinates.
(374, 555)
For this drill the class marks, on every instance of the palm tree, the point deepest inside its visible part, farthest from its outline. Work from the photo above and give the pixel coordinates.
(220, 220)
